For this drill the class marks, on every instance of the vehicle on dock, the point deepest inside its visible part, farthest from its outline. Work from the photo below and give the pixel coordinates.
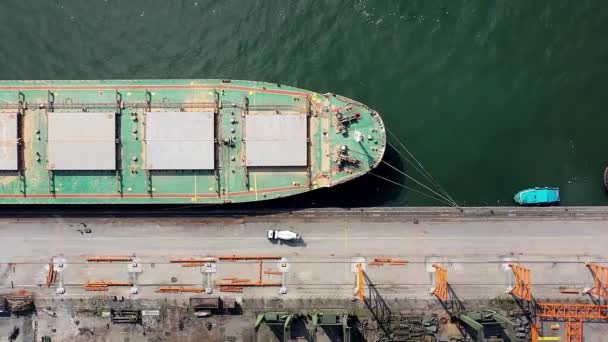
(178, 141)
(282, 235)
(537, 196)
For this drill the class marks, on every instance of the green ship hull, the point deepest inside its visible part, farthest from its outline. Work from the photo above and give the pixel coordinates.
(178, 141)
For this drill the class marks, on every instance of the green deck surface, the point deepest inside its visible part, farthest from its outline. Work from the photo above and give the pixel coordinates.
(231, 181)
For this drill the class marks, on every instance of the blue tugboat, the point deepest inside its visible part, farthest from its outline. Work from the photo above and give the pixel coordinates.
(537, 196)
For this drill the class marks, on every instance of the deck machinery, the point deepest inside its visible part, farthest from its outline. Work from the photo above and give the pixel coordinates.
(178, 141)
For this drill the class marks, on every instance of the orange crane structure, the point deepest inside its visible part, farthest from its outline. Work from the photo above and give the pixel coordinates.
(441, 283)
(600, 276)
(572, 313)
(360, 282)
(523, 283)
(373, 300)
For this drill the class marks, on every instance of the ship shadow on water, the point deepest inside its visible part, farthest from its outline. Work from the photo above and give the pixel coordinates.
(365, 191)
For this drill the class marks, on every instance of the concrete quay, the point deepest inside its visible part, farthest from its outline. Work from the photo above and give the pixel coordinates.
(475, 245)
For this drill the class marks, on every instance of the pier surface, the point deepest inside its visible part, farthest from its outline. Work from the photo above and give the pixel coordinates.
(475, 246)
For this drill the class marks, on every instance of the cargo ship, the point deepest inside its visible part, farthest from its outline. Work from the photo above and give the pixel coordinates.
(178, 141)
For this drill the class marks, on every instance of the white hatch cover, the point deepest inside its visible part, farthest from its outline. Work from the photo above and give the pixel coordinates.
(81, 141)
(180, 141)
(276, 140)
(8, 142)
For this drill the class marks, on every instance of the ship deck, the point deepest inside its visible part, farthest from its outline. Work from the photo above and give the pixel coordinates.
(177, 141)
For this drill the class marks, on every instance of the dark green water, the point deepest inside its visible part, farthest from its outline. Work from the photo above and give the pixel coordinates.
(491, 96)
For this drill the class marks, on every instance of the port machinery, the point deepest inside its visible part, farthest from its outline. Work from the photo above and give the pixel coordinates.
(178, 141)
(573, 314)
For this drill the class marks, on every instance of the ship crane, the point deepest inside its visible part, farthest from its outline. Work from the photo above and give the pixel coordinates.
(344, 157)
(343, 121)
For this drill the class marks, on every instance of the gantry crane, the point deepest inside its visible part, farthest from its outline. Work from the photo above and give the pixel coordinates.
(373, 300)
(573, 314)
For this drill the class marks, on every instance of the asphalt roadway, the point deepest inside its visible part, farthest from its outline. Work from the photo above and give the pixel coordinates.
(475, 249)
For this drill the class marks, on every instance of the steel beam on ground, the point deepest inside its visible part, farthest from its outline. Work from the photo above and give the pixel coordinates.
(191, 260)
(109, 259)
(51, 275)
(109, 283)
(247, 257)
(170, 289)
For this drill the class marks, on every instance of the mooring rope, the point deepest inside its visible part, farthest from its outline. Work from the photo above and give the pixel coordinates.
(411, 189)
(430, 179)
(452, 203)
(426, 173)
(441, 198)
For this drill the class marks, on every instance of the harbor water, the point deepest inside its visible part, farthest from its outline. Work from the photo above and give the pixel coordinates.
(490, 96)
